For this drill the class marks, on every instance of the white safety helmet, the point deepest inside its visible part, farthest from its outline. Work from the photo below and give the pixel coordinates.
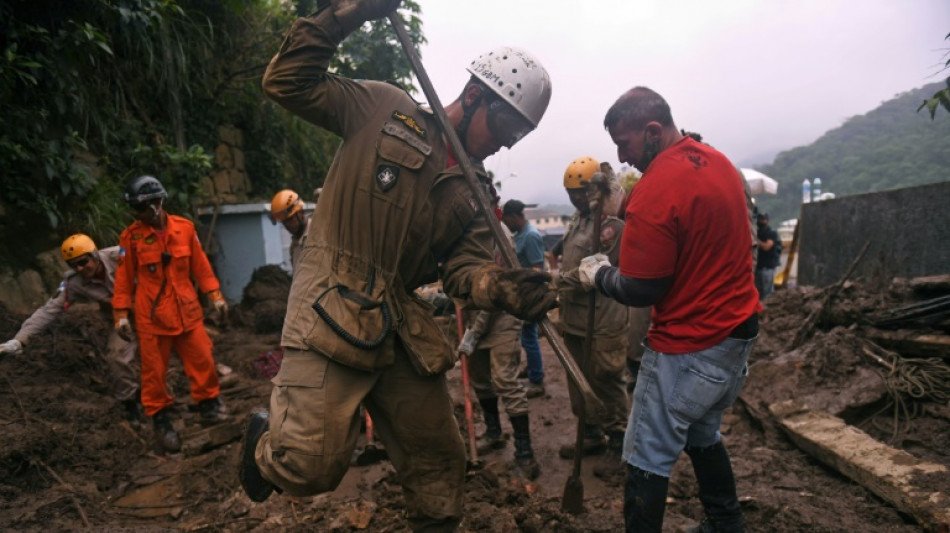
(518, 78)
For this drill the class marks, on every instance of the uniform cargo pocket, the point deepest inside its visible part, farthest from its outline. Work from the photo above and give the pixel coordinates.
(299, 404)
(429, 350)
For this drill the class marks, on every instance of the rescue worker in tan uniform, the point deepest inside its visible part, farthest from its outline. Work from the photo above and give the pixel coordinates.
(395, 213)
(90, 279)
(604, 369)
(287, 208)
(493, 340)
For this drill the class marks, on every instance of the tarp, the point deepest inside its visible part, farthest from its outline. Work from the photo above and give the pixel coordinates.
(759, 182)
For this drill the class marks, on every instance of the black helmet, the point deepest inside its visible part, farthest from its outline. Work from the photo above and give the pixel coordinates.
(143, 189)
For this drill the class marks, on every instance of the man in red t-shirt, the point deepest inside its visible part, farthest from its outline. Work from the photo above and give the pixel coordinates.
(685, 251)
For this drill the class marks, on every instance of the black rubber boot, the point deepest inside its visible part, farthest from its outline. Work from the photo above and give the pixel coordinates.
(165, 431)
(132, 410)
(492, 439)
(212, 411)
(524, 455)
(717, 489)
(257, 488)
(644, 501)
(593, 443)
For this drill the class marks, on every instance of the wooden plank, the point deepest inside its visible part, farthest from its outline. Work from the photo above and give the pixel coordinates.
(912, 343)
(885, 471)
(931, 283)
(211, 437)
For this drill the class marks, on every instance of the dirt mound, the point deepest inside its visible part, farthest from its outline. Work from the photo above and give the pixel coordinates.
(265, 300)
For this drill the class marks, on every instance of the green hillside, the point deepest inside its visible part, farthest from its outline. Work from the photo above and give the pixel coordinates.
(890, 147)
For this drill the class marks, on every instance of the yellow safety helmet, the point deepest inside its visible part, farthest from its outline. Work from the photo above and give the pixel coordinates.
(580, 169)
(285, 204)
(77, 245)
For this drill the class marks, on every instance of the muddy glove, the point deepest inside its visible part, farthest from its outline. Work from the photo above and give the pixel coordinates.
(469, 341)
(12, 347)
(587, 271)
(122, 325)
(220, 307)
(522, 292)
(351, 14)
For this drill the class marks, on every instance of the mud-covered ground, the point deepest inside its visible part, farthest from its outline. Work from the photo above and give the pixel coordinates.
(67, 459)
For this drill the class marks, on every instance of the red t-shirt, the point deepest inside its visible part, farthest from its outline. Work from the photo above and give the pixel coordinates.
(687, 218)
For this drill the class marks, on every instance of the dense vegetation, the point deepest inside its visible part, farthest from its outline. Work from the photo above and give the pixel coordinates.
(95, 92)
(890, 147)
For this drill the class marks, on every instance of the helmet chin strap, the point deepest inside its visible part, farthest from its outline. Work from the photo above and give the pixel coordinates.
(462, 128)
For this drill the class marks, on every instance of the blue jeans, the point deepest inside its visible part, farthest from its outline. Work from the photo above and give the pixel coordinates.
(764, 282)
(679, 400)
(532, 350)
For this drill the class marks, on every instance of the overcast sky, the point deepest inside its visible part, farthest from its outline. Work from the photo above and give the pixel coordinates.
(755, 77)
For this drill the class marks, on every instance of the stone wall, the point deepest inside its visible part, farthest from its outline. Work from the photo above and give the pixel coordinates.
(909, 231)
(24, 291)
(228, 182)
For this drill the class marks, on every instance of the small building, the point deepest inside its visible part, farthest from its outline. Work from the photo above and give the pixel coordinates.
(243, 238)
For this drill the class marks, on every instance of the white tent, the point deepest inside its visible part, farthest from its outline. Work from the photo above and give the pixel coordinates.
(759, 182)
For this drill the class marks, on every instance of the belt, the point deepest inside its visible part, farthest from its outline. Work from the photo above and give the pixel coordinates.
(746, 330)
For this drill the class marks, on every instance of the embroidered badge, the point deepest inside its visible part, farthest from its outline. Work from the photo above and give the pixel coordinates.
(136, 236)
(386, 176)
(410, 123)
(607, 234)
(150, 239)
(121, 251)
(152, 268)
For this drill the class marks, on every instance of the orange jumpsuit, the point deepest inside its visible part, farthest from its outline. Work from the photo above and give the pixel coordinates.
(157, 267)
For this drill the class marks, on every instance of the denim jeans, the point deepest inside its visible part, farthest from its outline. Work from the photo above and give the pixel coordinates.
(532, 350)
(764, 282)
(679, 400)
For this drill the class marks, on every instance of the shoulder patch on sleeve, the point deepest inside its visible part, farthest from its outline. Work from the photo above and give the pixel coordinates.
(410, 122)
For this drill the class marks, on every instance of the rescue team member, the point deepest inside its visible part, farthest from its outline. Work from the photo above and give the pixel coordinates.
(159, 255)
(395, 213)
(685, 250)
(287, 208)
(604, 369)
(492, 341)
(90, 279)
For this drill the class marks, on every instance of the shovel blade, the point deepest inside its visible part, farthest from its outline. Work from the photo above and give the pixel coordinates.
(573, 500)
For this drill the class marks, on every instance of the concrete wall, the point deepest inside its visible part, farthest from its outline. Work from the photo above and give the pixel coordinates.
(909, 230)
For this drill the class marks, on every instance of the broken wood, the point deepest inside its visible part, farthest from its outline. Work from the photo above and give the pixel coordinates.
(202, 440)
(887, 472)
(69, 492)
(912, 343)
(931, 283)
(808, 325)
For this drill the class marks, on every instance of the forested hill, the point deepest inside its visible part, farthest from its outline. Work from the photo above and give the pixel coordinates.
(890, 147)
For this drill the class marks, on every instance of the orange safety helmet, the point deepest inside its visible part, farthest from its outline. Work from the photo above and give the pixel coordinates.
(285, 204)
(76, 246)
(580, 170)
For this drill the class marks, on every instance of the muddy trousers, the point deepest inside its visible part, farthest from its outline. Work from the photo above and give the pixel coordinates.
(123, 367)
(194, 349)
(604, 371)
(494, 374)
(314, 424)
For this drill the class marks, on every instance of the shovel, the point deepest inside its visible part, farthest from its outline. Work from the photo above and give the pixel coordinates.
(371, 453)
(573, 499)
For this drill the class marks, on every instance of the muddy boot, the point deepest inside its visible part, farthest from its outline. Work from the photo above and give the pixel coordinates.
(492, 439)
(255, 486)
(212, 411)
(593, 443)
(644, 501)
(717, 489)
(165, 432)
(524, 455)
(610, 466)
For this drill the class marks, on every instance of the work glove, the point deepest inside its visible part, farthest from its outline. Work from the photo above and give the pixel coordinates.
(351, 14)
(587, 271)
(522, 292)
(122, 325)
(469, 341)
(220, 307)
(12, 347)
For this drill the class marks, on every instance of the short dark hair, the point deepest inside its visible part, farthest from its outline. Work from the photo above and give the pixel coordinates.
(513, 207)
(638, 106)
(762, 215)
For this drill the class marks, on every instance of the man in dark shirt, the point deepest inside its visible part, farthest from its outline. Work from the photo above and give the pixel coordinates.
(770, 252)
